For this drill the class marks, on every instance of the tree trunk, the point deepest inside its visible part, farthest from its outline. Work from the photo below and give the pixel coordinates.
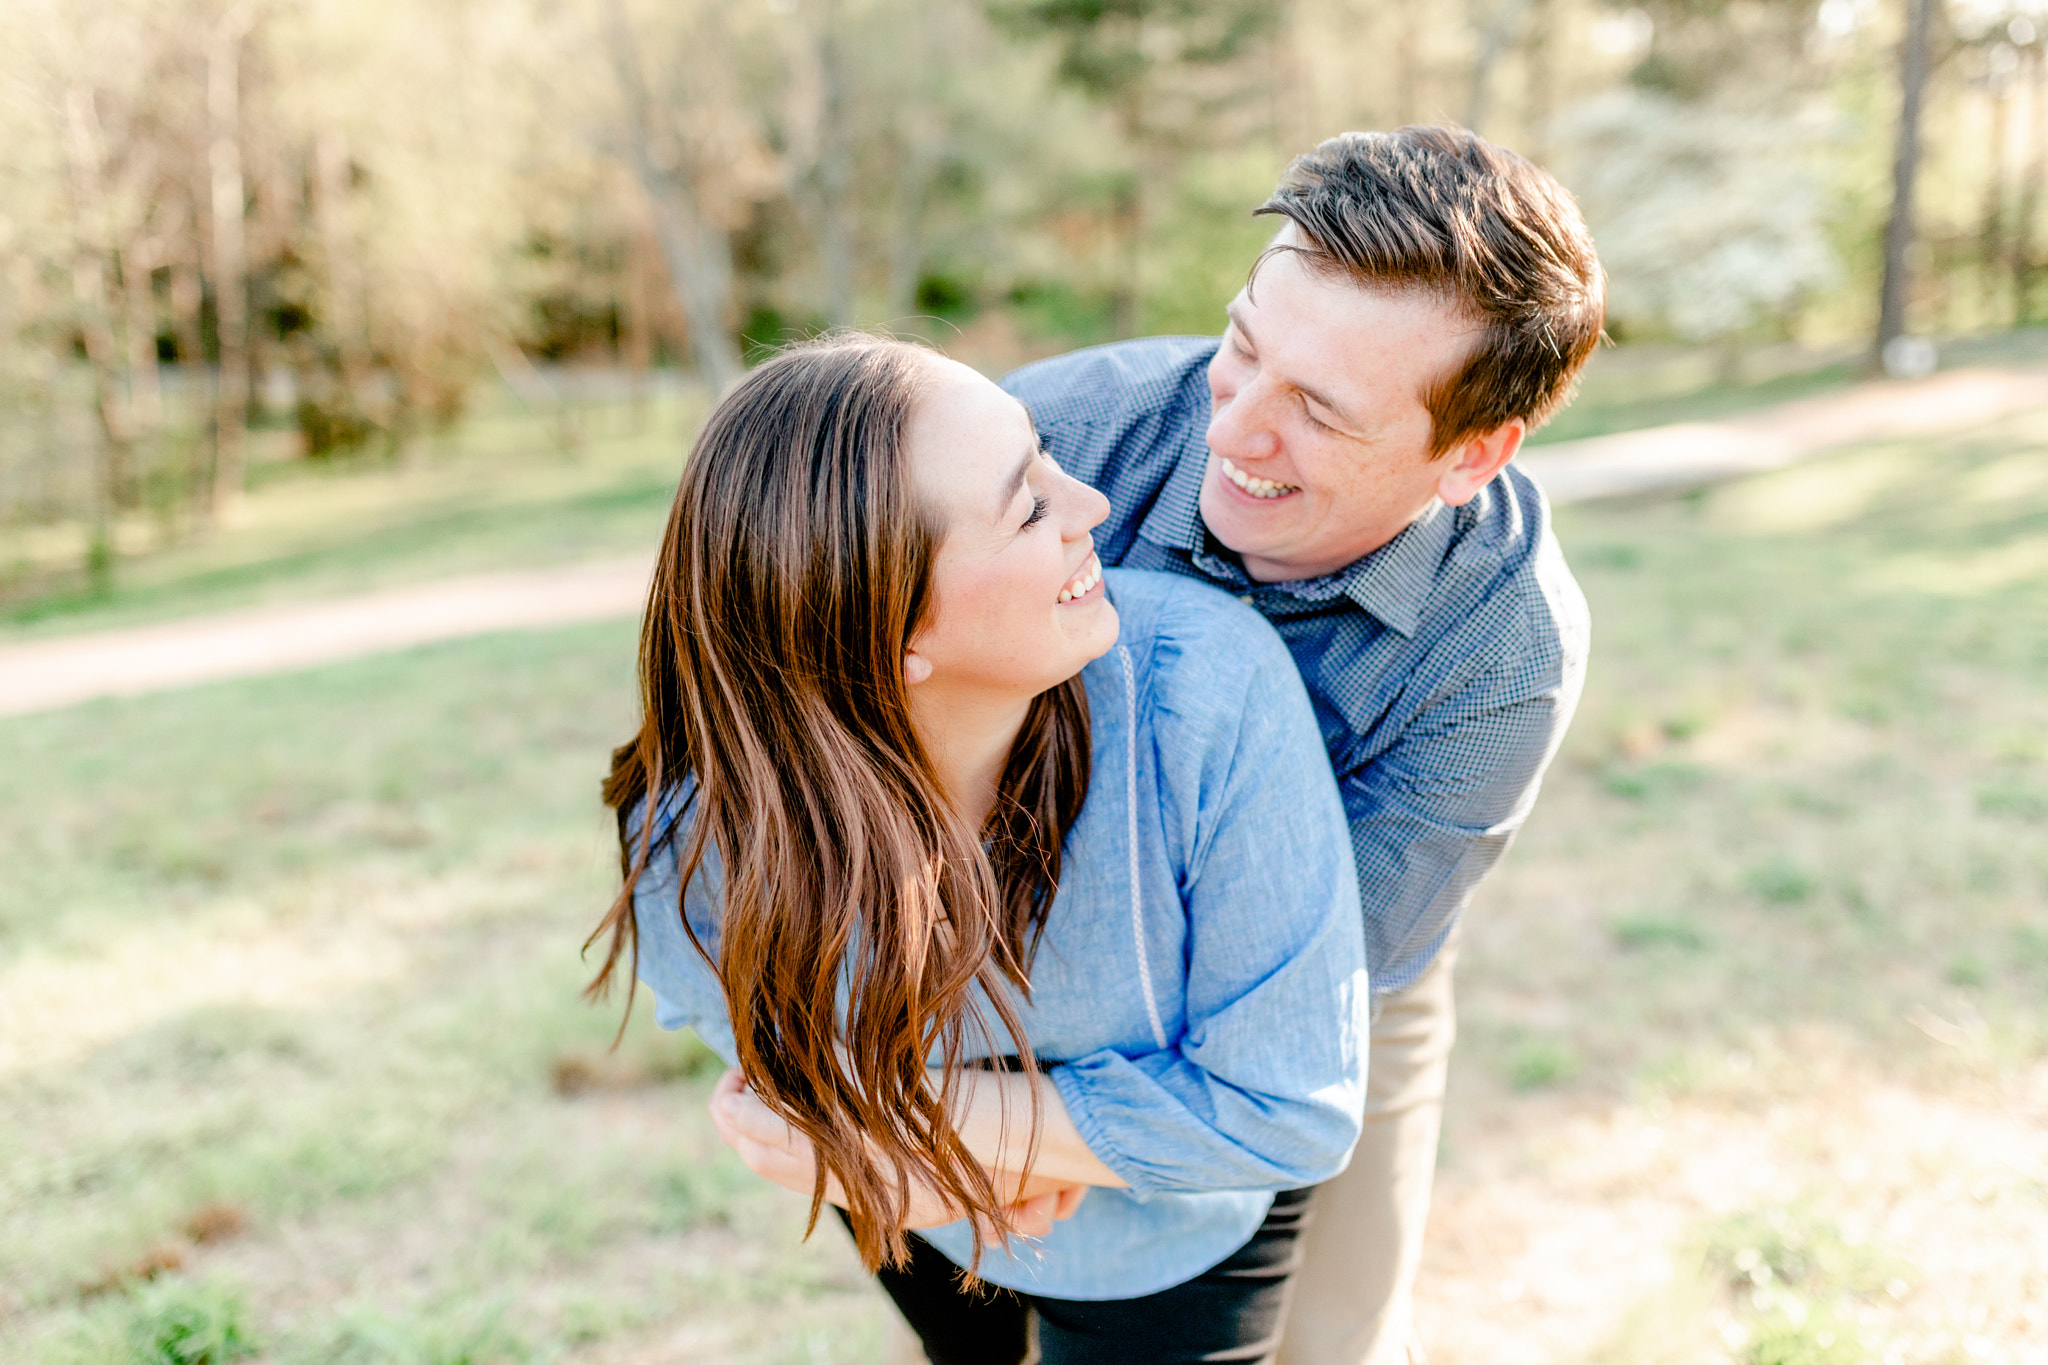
(636, 318)
(1991, 232)
(1408, 61)
(344, 296)
(916, 154)
(835, 170)
(230, 256)
(1495, 33)
(698, 256)
(1539, 88)
(1127, 300)
(89, 297)
(188, 302)
(139, 260)
(1898, 233)
(2024, 264)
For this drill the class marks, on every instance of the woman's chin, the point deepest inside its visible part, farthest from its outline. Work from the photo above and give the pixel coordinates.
(1092, 625)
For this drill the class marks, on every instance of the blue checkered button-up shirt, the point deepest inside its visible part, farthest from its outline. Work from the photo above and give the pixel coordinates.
(1443, 666)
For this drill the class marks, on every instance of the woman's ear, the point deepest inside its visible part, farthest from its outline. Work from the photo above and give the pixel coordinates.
(916, 668)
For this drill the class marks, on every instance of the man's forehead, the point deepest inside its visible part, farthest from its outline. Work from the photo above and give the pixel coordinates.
(1320, 319)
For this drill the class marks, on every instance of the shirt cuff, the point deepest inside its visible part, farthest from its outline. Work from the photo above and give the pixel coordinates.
(1070, 1080)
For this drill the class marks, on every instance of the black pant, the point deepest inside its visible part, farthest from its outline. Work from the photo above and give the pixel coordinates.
(1232, 1311)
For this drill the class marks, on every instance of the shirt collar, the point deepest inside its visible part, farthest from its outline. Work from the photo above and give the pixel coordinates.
(1392, 583)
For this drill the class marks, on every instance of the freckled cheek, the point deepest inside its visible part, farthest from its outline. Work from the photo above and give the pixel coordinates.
(1225, 380)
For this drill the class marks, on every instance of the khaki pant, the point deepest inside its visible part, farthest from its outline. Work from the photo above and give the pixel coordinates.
(1353, 1295)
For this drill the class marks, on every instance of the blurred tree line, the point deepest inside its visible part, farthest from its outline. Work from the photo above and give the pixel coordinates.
(334, 217)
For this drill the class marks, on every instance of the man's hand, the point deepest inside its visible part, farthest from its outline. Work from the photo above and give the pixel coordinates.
(772, 1149)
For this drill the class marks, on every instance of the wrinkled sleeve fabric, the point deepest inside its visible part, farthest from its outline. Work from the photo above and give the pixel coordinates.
(1264, 1088)
(687, 993)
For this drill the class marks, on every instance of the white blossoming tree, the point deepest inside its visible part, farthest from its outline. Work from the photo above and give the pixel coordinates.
(1710, 222)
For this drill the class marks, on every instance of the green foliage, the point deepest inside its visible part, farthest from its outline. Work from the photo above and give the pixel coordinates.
(1536, 1063)
(2016, 796)
(1063, 314)
(1109, 47)
(1657, 931)
(1795, 1247)
(1796, 1279)
(474, 1334)
(1656, 781)
(1781, 881)
(178, 1322)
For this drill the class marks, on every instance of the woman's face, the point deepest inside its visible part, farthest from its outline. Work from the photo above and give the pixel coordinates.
(1018, 600)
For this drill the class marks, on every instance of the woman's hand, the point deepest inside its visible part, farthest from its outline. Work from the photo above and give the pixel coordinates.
(770, 1148)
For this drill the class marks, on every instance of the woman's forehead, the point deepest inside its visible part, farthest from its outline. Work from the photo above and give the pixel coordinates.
(966, 439)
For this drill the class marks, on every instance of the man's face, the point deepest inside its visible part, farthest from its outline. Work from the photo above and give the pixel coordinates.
(1318, 439)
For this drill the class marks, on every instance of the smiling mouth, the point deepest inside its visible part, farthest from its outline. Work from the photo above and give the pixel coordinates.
(1252, 484)
(1083, 582)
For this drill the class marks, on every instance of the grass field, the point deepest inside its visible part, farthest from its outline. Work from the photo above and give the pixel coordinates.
(1755, 1054)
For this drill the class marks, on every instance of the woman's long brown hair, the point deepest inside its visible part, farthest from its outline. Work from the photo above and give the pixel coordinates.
(795, 570)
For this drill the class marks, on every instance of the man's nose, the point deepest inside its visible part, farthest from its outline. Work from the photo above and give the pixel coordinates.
(1240, 430)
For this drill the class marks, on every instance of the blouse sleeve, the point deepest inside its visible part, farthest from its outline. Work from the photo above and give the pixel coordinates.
(1265, 1087)
(686, 990)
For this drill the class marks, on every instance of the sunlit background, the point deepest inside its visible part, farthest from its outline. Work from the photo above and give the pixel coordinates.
(302, 300)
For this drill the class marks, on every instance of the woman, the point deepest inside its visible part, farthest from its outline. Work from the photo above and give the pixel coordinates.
(984, 899)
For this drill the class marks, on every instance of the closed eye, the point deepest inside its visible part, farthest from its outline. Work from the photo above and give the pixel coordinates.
(1039, 507)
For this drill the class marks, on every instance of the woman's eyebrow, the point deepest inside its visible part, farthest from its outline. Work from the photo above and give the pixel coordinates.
(1016, 479)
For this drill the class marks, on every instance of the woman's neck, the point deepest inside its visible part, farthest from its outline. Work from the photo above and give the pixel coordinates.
(968, 739)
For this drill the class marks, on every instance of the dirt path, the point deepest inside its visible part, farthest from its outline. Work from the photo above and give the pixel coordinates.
(49, 674)
(46, 675)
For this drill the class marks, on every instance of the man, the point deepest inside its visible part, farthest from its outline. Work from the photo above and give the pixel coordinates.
(1340, 459)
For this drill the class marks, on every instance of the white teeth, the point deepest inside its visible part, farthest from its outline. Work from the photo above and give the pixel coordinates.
(1083, 585)
(1257, 487)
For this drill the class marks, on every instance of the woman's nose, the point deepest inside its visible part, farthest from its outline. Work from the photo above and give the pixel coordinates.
(1091, 508)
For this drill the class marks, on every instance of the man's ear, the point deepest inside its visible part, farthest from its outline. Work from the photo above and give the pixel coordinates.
(1467, 467)
(916, 668)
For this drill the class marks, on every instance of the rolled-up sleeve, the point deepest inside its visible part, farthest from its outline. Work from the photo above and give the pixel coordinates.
(1264, 1088)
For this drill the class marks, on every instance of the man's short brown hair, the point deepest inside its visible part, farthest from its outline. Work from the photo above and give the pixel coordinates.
(1445, 211)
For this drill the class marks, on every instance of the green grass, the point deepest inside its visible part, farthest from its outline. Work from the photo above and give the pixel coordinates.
(1793, 856)
(1804, 774)
(305, 948)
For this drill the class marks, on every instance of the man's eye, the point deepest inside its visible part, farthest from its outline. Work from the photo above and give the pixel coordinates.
(1039, 507)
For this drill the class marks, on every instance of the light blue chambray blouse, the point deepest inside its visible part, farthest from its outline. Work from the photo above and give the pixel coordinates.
(1199, 997)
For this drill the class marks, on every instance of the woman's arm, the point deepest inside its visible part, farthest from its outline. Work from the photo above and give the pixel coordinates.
(1260, 1081)
(993, 1116)
(773, 1150)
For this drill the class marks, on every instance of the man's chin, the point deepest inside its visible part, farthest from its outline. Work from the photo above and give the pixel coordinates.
(1247, 526)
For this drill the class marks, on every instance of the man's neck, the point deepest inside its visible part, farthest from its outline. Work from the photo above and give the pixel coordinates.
(968, 738)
